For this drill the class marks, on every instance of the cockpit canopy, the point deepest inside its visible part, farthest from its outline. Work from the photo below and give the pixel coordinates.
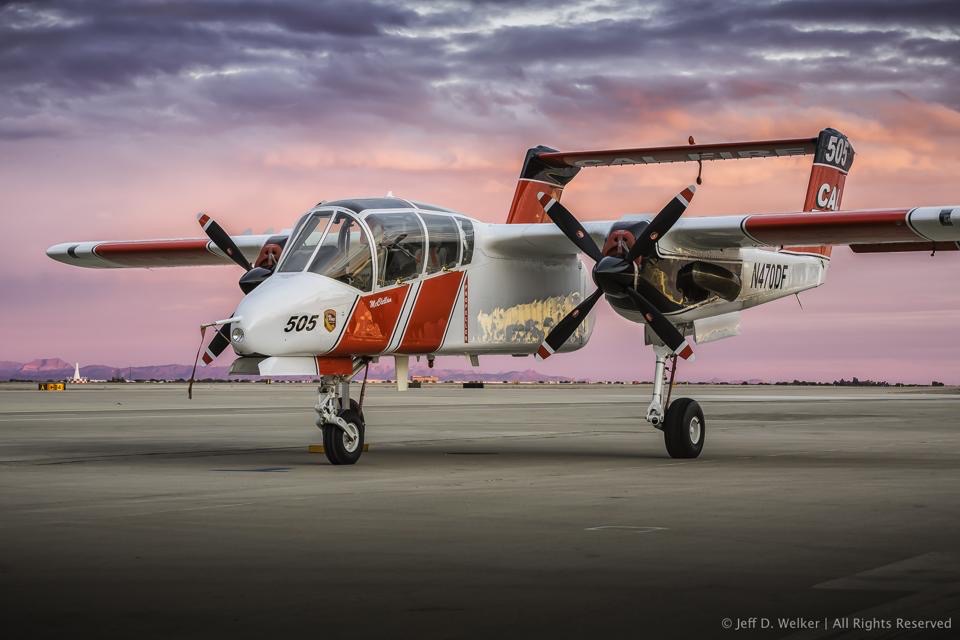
(335, 242)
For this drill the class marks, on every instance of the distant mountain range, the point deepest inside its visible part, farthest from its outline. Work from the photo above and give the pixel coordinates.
(59, 369)
(43, 369)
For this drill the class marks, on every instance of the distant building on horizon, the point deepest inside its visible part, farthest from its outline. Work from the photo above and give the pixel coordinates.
(77, 378)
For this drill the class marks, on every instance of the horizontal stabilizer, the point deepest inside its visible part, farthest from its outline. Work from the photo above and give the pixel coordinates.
(681, 153)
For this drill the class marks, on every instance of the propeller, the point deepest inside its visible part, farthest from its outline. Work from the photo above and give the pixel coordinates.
(570, 226)
(645, 245)
(614, 275)
(223, 241)
(217, 344)
(248, 282)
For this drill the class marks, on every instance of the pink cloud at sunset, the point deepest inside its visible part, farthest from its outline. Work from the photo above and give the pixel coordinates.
(124, 123)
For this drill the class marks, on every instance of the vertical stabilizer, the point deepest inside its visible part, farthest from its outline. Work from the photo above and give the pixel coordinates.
(831, 163)
(537, 177)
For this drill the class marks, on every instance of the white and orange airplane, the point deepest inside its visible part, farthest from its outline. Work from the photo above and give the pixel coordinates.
(361, 278)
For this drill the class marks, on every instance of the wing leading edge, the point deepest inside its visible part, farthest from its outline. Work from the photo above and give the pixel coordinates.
(920, 228)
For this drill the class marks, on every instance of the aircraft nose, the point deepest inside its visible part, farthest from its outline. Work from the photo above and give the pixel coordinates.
(292, 314)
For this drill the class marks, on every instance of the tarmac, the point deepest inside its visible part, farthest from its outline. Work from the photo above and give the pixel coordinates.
(510, 511)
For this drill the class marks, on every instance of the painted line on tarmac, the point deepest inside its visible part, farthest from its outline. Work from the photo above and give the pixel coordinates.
(626, 527)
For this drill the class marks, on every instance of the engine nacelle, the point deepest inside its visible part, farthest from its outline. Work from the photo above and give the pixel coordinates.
(699, 279)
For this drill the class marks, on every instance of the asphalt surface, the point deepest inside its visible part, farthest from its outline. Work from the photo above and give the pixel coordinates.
(516, 511)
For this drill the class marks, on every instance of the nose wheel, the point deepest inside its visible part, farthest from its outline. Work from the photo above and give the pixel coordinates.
(343, 442)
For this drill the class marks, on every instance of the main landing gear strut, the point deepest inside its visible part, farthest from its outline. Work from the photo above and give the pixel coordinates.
(340, 418)
(684, 428)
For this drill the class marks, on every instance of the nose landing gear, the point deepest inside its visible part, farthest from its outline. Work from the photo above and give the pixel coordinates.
(682, 422)
(340, 419)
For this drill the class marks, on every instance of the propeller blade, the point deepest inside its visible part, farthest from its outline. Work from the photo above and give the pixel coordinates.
(218, 343)
(565, 328)
(662, 327)
(668, 216)
(223, 241)
(570, 226)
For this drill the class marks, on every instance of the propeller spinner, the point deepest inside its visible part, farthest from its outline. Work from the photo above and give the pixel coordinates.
(607, 272)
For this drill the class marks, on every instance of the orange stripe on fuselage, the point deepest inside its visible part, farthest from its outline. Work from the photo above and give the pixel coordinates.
(431, 313)
(372, 322)
(334, 366)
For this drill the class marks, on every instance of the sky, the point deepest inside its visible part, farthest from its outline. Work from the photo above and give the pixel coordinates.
(122, 120)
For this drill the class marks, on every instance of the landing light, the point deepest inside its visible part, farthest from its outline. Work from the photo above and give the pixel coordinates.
(237, 335)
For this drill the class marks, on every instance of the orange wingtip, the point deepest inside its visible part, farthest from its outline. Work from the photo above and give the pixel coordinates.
(542, 353)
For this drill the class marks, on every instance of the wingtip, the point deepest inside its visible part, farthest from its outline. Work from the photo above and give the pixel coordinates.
(543, 352)
(59, 251)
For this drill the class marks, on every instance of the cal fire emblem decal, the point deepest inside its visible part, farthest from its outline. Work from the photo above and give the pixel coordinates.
(330, 319)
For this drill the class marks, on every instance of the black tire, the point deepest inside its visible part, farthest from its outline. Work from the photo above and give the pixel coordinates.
(355, 406)
(684, 429)
(334, 440)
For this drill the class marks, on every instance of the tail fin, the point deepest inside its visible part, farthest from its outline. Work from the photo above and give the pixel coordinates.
(831, 163)
(537, 177)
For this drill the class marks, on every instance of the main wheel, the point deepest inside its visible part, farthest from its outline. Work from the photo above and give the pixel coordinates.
(684, 429)
(344, 447)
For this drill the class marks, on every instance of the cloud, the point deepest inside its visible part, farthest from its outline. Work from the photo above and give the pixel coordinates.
(300, 64)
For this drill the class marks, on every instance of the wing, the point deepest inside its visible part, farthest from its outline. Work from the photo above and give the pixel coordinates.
(869, 230)
(538, 240)
(180, 252)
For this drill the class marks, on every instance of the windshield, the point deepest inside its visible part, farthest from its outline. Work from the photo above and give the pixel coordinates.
(303, 245)
(344, 254)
